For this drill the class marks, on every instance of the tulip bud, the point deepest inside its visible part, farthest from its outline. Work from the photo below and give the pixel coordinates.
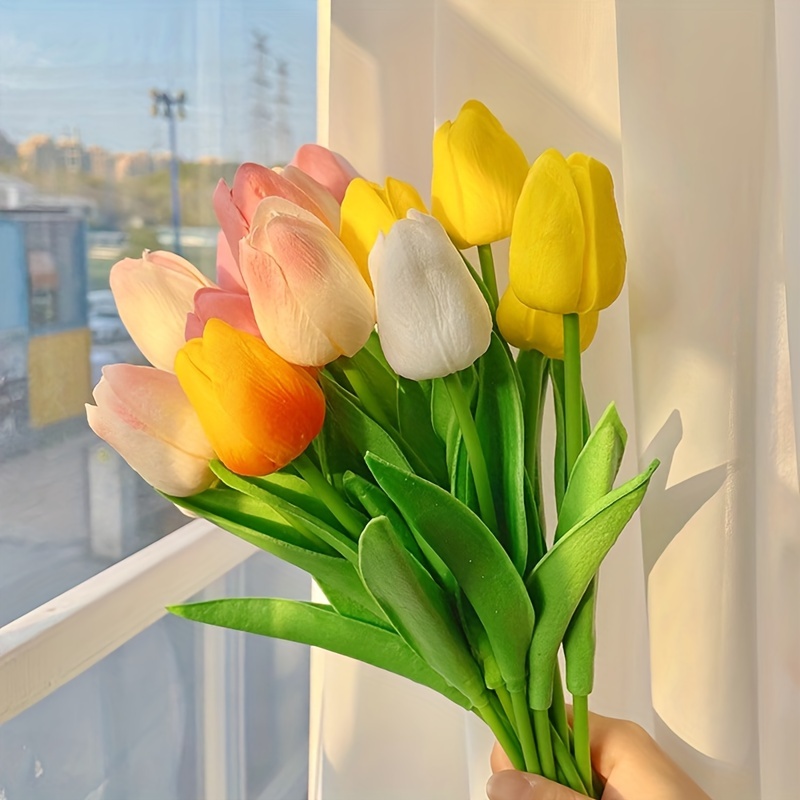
(145, 416)
(478, 172)
(369, 209)
(229, 276)
(330, 169)
(310, 301)
(316, 191)
(235, 206)
(528, 329)
(259, 411)
(154, 294)
(432, 317)
(567, 253)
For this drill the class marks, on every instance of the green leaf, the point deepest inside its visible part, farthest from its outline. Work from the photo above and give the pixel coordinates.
(482, 568)
(361, 429)
(462, 484)
(293, 489)
(294, 515)
(281, 540)
(592, 478)
(418, 609)
(561, 578)
(501, 428)
(414, 415)
(382, 382)
(319, 626)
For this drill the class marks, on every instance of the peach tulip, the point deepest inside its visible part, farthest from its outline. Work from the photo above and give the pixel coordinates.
(330, 169)
(259, 411)
(215, 303)
(145, 416)
(311, 303)
(154, 294)
(235, 206)
(316, 191)
(229, 276)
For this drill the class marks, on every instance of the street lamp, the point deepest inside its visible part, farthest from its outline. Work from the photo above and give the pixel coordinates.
(172, 106)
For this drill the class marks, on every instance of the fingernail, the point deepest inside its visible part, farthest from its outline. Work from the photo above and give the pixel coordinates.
(511, 785)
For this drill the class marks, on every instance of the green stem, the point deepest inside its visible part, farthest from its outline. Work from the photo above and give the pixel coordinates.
(507, 703)
(367, 397)
(487, 270)
(541, 722)
(487, 296)
(558, 710)
(580, 727)
(567, 766)
(573, 400)
(474, 450)
(508, 743)
(522, 717)
(351, 520)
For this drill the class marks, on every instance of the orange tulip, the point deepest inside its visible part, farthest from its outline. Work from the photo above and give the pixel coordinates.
(259, 411)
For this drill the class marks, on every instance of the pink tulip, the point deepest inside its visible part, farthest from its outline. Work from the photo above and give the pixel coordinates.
(330, 169)
(310, 301)
(145, 416)
(236, 206)
(316, 191)
(216, 303)
(154, 294)
(229, 276)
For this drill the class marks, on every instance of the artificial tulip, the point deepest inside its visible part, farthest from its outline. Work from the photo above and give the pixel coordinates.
(432, 318)
(567, 253)
(310, 301)
(259, 411)
(478, 172)
(145, 416)
(229, 276)
(330, 169)
(528, 329)
(316, 191)
(369, 209)
(154, 294)
(214, 303)
(235, 206)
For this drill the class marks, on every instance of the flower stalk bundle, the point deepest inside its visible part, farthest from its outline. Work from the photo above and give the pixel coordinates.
(346, 397)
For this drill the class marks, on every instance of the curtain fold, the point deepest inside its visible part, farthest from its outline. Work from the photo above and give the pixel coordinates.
(695, 106)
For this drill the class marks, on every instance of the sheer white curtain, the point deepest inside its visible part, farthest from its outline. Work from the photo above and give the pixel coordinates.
(695, 106)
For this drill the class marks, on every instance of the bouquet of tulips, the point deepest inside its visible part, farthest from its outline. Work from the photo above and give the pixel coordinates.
(347, 398)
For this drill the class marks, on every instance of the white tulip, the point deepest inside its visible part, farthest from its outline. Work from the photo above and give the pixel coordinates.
(432, 318)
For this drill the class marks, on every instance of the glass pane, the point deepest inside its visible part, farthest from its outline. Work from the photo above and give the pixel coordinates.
(86, 178)
(181, 712)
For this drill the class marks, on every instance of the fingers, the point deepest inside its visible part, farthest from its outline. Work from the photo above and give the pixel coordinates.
(499, 760)
(512, 785)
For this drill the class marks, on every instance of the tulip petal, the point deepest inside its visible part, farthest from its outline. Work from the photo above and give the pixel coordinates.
(145, 416)
(229, 276)
(432, 318)
(527, 329)
(153, 296)
(330, 169)
(478, 173)
(605, 258)
(546, 255)
(231, 307)
(316, 191)
(234, 225)
(310, 301)
(259, 411)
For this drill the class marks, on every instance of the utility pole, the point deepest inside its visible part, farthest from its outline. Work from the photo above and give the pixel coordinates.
(172, 107)
(262, 104)
(283, 133)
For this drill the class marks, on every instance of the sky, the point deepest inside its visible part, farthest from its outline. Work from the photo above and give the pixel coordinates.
(89, 65)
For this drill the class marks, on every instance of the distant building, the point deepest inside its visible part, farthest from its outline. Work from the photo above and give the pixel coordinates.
(71, 155)
(38, 153)
(8, 150)
(15, 193)
(129, 165)
(100, 163)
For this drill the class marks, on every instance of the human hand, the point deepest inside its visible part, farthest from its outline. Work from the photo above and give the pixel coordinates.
(631, 764)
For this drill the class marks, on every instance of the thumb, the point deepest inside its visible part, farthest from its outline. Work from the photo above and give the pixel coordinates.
(513, 785)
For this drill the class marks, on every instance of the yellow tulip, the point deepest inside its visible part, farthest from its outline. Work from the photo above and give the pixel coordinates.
(478, 173)
(528, 329)
(369, 209)
(567, 253)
